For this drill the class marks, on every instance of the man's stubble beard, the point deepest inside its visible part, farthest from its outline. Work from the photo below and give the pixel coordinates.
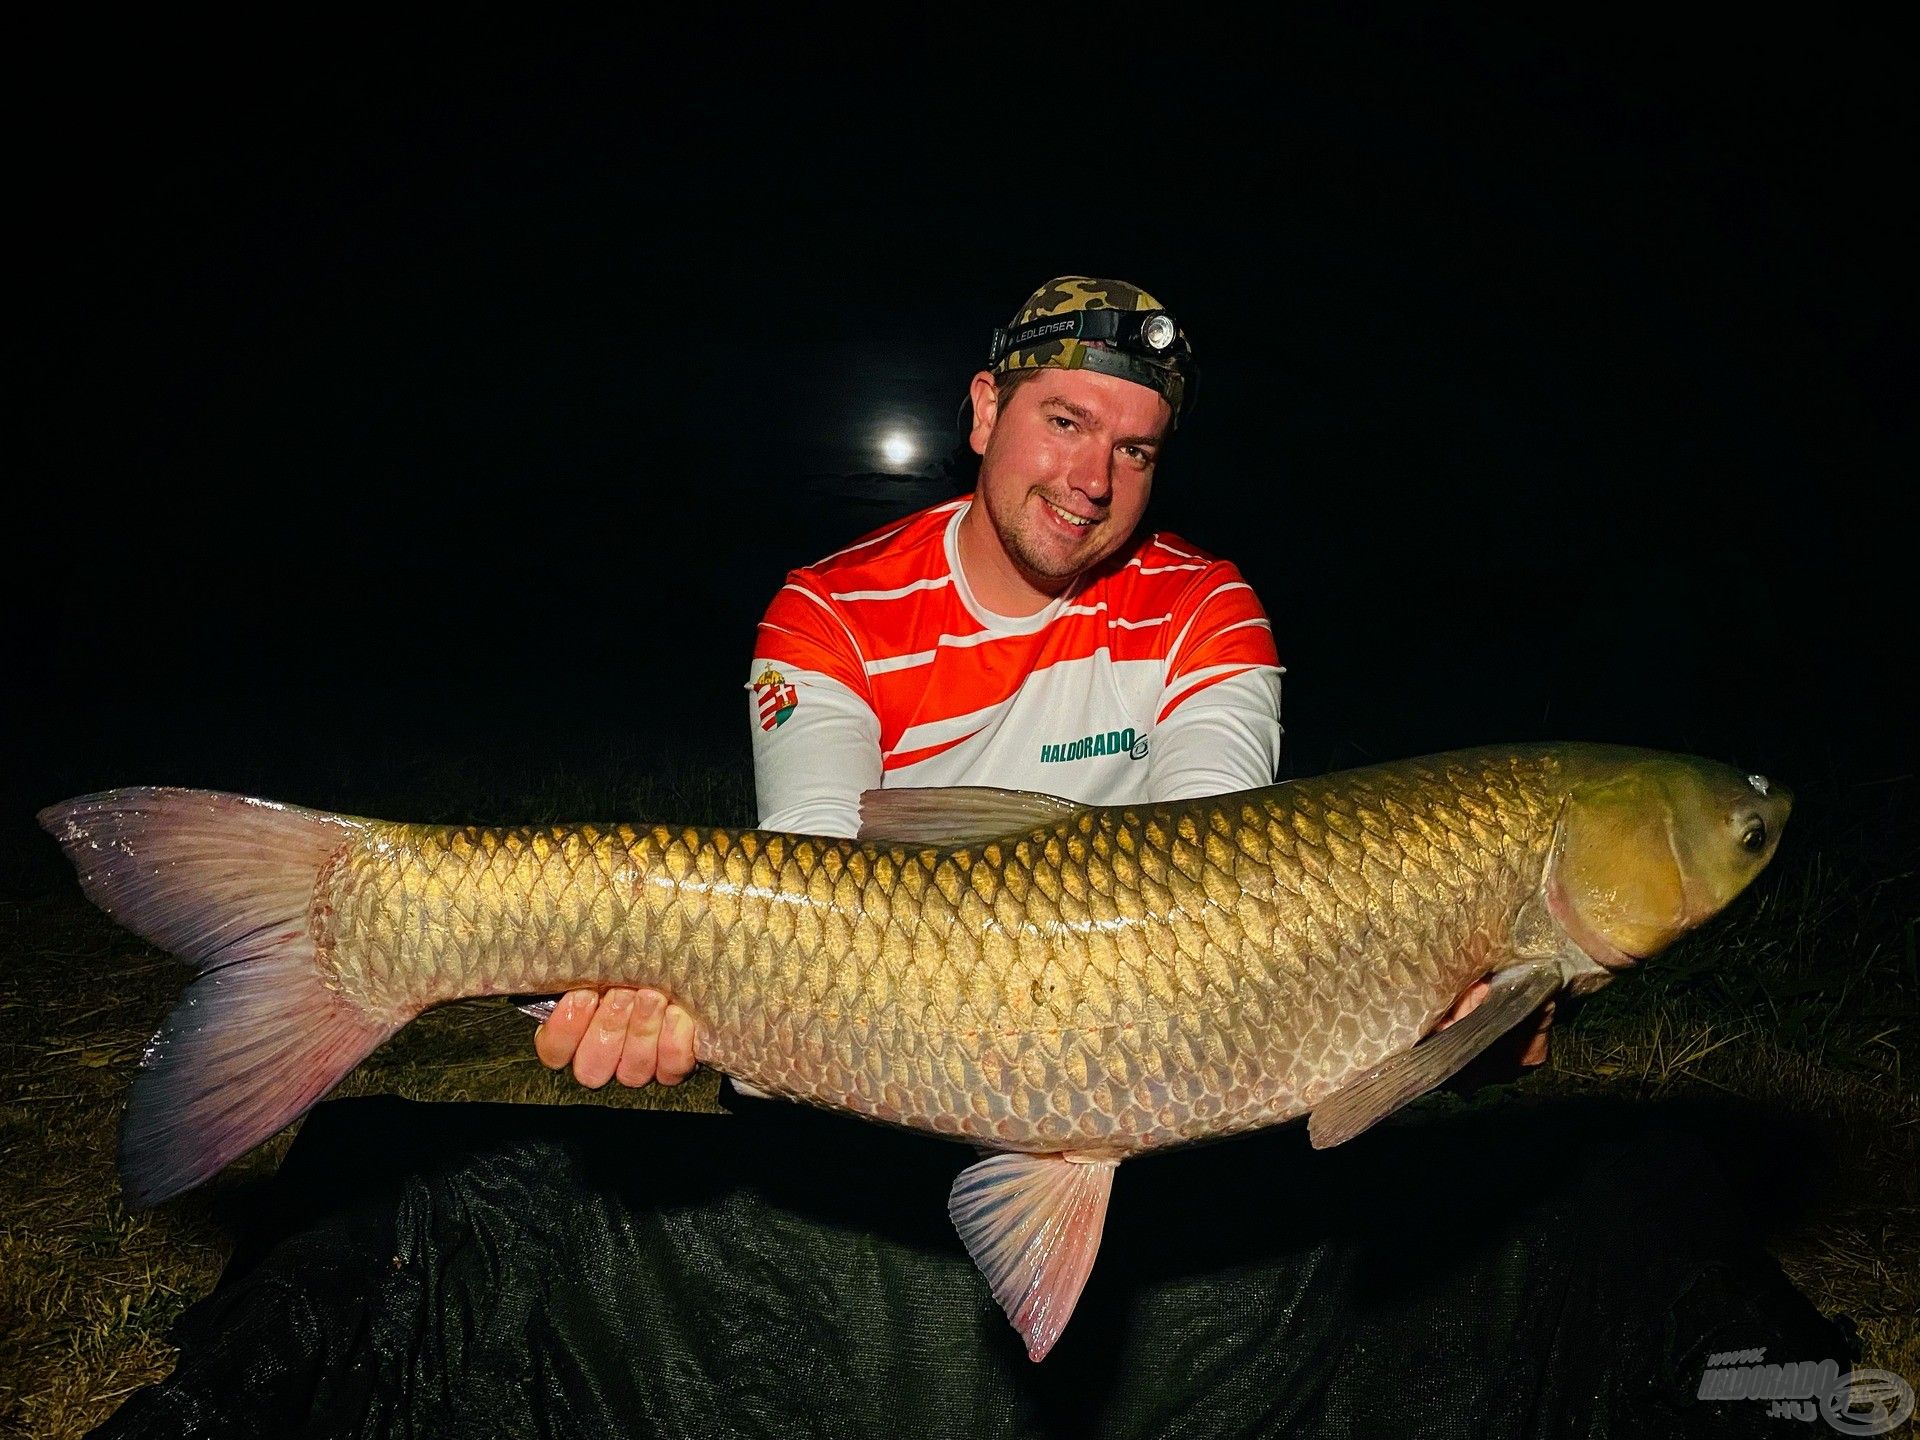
(1015, 542)
(1040, 569)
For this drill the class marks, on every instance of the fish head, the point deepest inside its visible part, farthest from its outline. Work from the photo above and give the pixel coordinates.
(1651, 845)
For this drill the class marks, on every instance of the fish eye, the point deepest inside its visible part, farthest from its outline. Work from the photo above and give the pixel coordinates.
(1753, 839)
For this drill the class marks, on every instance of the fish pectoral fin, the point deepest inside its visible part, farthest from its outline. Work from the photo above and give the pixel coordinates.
(1032, 1224)
(1512, 995)
(957, 814)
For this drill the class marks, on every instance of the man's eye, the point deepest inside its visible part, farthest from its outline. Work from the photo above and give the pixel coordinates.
(1137, 455)
(1062, 421)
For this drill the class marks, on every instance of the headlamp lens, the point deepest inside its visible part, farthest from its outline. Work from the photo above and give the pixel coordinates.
(1157, 331)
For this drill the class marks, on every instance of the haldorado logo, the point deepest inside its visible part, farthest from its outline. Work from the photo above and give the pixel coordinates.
(1112, 742)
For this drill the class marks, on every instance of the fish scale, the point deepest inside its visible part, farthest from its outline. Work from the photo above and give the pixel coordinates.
(1091, 985)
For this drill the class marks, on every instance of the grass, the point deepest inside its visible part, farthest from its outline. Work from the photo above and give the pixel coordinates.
(1806, 998)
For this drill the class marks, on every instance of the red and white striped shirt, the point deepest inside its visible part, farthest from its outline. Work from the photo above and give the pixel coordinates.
(1153, 677)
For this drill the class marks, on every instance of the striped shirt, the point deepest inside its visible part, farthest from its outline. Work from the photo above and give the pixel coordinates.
(1153, 677)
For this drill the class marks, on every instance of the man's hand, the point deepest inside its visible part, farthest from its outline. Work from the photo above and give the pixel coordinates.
(633, 1036)
(1529, 1037)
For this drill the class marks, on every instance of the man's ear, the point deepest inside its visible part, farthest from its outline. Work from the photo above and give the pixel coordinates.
(986, 409)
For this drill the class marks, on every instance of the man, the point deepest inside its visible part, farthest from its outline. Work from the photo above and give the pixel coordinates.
(1022, 637)
(1015, 637)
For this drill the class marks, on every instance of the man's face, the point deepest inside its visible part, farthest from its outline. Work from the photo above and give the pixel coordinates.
(1066, 467)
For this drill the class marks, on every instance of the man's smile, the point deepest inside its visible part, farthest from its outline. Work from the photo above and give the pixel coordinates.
(1077, 523)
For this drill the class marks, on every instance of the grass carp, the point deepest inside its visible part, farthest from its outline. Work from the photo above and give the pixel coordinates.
(1062, 985)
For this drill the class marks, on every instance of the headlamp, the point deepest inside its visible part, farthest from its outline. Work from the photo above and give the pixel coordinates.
(1157, 331)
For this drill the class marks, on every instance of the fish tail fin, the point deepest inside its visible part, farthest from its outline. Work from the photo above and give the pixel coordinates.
(224, 882)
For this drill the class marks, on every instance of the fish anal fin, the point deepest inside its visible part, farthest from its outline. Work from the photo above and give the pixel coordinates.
(957, 814)
(1513, 994)
(1032, 1224)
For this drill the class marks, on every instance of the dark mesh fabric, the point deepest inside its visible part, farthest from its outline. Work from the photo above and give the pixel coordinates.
(1545, 1269)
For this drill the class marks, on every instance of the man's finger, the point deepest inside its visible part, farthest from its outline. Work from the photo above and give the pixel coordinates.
(1466, 1004)
(559, 1034)
(1536, 1052)
(676, 1046)
(599, 1053)
(643, 1038)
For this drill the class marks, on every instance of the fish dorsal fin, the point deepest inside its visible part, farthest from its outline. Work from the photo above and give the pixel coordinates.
(957, 814)
(1032, 1224)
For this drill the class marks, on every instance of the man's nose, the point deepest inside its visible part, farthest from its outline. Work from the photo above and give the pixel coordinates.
(1093, 473)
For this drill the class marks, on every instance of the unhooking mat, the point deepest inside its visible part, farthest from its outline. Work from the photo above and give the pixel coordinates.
(1530, 1268)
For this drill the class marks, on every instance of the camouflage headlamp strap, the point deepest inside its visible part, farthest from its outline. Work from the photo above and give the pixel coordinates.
(1120, 328)
(1127, 349)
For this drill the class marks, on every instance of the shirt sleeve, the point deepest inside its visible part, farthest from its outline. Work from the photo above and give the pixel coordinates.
(1219, 727)
(816, 738)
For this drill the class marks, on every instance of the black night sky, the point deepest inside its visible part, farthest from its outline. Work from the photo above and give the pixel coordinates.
(458, 397)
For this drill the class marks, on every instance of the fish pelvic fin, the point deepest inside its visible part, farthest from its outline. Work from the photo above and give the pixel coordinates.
(224, 882)
(1032, 1223)
(1513, 994)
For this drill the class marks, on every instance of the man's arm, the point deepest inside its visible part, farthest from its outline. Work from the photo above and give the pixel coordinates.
(1218, 727)
(810, 767)
(816, 746)
(1225, 738)
(816, 738)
